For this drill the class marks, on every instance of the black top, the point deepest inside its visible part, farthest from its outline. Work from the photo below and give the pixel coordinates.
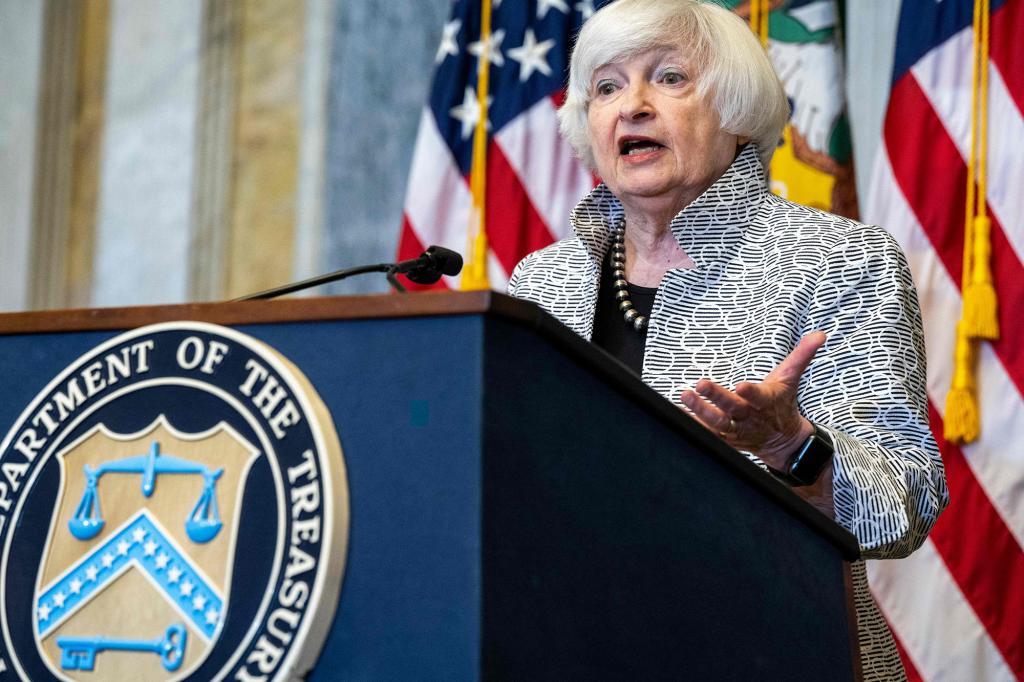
(611, 331)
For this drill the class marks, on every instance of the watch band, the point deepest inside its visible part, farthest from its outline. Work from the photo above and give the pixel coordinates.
(807, 463)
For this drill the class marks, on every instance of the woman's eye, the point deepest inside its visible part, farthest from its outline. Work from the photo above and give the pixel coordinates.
(605, 88)
(672, 78)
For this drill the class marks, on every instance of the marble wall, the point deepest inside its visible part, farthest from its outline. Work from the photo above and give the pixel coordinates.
(142, 230)
(309, 218)
(21, 24)
(380, 74)
(266, 154)
(870, 38)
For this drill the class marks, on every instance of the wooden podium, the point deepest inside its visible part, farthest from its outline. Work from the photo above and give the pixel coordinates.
(522, 506)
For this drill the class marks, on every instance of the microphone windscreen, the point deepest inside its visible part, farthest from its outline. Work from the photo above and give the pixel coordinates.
(446, 261)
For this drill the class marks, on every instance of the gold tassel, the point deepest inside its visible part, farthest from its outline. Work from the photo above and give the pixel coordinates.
(979, 313)
(980, 310)
(961, 423)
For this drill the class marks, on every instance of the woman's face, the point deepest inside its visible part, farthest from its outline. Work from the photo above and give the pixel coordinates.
(654, 138)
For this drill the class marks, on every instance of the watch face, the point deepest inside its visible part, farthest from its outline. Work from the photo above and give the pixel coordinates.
(807, 465)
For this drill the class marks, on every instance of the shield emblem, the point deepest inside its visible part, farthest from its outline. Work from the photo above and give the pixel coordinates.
(136, 572)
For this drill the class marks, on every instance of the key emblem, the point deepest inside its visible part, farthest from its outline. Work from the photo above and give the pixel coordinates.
(79, 653)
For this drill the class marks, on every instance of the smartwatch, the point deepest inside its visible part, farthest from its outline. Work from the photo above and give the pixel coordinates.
(807, 463)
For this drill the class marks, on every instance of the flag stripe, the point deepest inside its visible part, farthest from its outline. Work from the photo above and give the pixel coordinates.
(409, 244)
(911, 126)
(514, 227)
(971, 539)
(545, 165)
(1007, 48)
(934, 74)
(437, 201)
(908, 665)
(945, 180)
(941, 634)
(925, 24)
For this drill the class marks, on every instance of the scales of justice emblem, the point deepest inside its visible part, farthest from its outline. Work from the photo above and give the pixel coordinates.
(145, 529)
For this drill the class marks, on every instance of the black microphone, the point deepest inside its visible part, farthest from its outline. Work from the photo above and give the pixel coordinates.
(425, 269)
(429, 267)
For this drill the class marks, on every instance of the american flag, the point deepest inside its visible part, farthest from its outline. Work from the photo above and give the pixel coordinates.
(533, 178)
(957, 605)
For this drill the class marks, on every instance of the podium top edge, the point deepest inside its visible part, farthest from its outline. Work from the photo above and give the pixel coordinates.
(374, 306)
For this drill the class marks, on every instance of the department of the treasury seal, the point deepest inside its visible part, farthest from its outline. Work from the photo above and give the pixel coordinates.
(172, 505)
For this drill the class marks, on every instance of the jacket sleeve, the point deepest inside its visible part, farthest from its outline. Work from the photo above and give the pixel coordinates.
(866, 387)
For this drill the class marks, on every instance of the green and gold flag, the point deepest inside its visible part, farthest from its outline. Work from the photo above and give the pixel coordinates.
(813, 164)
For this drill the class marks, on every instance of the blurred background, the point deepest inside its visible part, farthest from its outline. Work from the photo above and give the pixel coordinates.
(161, 152)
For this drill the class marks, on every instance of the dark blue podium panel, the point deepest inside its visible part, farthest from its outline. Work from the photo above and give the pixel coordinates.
(615, 549)
(523, 508)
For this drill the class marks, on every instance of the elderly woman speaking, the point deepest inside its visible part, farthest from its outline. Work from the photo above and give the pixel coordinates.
(792, 333)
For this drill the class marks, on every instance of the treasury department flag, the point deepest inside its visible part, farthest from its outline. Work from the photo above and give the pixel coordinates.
(532, 179)
(956, 604)
(813, 164)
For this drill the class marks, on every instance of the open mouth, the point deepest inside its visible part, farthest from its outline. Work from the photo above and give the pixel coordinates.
(637, 146)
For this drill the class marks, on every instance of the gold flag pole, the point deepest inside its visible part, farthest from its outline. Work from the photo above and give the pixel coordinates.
(474, 276)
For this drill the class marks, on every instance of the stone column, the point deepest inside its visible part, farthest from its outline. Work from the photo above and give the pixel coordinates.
(21, 35)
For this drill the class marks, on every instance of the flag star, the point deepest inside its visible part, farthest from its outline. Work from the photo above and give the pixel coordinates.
(186, 587)
(198, 602)
(495, 4)
(448, 44)
(138, 535)
(107, 560)
(90, 572)
(544, 5)
(76, 586)
(211, 616)
(532, 56)
(44, 612)
(123, 547)
(149, 549)
(58, 599)
(161, 560)
(585, 8)
(494, 55)
(468, 113)
(173, 574)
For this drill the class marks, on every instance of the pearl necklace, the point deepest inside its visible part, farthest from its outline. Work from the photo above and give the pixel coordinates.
(629, 313)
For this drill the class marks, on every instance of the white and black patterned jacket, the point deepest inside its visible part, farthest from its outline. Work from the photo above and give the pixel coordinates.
(767, 272)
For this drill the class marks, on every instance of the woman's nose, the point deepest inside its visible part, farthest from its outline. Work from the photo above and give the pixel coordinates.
(636, 103)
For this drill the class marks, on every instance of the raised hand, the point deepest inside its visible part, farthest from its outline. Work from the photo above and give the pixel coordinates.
(759, 417)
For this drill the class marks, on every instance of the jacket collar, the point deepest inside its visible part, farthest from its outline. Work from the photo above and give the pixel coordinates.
(709, 229)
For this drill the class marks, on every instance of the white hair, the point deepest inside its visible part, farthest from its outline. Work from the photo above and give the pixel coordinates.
(732, 67)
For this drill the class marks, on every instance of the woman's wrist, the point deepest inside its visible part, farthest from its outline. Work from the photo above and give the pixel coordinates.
(776, 455)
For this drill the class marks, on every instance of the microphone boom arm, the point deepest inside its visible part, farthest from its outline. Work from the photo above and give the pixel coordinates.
(324, 279)
(426, 269)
